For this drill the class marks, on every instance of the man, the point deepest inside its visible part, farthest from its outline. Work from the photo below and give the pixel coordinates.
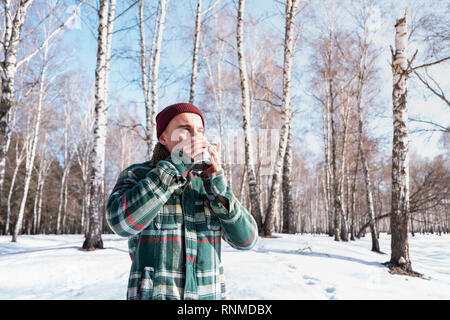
(175, 216)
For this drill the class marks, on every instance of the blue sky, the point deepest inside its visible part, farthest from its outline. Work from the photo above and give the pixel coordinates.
(176, 54)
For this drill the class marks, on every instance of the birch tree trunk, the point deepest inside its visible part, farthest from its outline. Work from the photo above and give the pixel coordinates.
(93, 239)
(369, 197)
(288, 198)
(36, 201)
(83, 151)
(66, 185)
(326, 170)
(327, 158)
(195, 53)
(198, 19)
(400, 157)
(66, 169)
(155, 72)
(337, 205)
(246, 119)
(344, 229)
(353, 198)
(29, 163)
(290, 11)
(19, 158)
(46, 165)
(242, 188)
(11, 41)
(146, 74)
(362, 76)
(41, 171)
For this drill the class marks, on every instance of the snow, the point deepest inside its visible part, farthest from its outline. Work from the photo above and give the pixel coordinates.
(288, 267)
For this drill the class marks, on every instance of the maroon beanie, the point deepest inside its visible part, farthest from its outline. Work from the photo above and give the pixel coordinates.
(163, 118)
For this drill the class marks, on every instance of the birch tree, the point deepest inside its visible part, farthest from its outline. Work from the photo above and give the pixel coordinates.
(400, 210)
(197, 35)
(346, 124)
(290, 12)
(20, 156)
(195, 51)
(11, 41)
(288, 197)
(400, 158)
(106, 13)
(146, 72)
(45, 162)
(159, 28)
(246, 118)
(60, 221)
(337, 204)
(83, 126)
(364, 67)
(29, 162)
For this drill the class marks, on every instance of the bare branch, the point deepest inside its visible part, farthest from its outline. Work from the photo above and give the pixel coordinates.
(46, 41)
(426, 65)
(210, 8)
(439, 127)
(440, 95)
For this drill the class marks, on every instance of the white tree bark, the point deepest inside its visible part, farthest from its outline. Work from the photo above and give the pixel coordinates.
(288, 199)
(344, 228)
(43, 170)
(197, 35)
(327, 167)
(400, 158)
(337, 204)
(20, 156)
(290, 11)
(106, 15)
(83, 151)
(8, 68)
(12, 39)
(33, 143)
(365, 166)
(155, 72)
(195, 52)
(146, 74)
(246, 118)
(362, 79)
(60, 221)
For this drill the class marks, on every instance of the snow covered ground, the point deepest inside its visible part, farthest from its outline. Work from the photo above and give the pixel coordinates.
(289, 267)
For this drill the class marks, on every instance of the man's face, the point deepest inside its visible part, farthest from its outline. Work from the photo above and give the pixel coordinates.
(182, 128)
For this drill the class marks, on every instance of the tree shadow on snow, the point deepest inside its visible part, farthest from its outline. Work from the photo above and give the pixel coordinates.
(326, 256)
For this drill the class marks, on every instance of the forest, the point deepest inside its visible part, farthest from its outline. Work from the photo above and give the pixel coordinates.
(333, 115)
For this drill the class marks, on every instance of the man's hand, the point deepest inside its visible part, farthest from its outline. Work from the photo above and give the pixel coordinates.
(192, 147)
(216, 167)
(215, 159)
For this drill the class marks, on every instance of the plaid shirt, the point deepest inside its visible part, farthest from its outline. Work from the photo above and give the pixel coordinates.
(174, 222)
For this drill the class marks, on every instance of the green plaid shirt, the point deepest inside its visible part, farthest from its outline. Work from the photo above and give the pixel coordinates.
(174, 222)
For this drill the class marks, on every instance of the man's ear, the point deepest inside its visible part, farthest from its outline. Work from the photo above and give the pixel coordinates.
(162, 140)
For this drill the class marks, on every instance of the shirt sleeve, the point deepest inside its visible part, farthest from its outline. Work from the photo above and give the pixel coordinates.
(240, 229)
(133, 204)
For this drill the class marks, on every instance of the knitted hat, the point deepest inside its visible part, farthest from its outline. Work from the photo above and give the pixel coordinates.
(163, 118)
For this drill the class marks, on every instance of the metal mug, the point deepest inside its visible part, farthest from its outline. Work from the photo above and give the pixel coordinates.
(202, 162)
